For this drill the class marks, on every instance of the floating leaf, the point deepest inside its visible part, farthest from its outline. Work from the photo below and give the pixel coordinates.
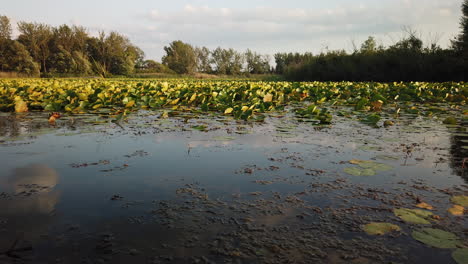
(457, 210)
(414, 216)
(380, 228)
(368, 164)
(425, 206)
(461, 255)
(227, 138)
(436, 238)
(130, 104)
(460, 200)
(377, 105)
(200, 127)
(21, 106)
(450, 121)
(359, 172)
(268, 98)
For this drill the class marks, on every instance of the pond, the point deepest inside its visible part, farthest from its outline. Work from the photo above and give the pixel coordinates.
(206, 188)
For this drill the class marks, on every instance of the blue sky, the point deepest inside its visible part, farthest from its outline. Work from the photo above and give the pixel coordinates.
(264, 26)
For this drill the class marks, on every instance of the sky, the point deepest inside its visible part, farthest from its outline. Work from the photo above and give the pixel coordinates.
(265, 26)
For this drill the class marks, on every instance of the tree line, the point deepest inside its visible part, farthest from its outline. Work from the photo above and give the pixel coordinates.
(407, 60)
(183, 58)
(65, 50)
(70, 50)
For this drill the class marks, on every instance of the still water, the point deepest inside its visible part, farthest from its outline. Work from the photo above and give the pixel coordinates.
(198, 188)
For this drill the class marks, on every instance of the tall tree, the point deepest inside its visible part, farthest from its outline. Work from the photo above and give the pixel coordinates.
(369, 46)
(35, 37)
(180, 57)
(460, 44)
(257, 63)
(203, 59)
(227, 61)
(5, 28)
(15, 58)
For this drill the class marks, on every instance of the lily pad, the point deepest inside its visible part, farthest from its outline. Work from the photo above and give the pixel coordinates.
(387, 157)
(460, 255)
(359, 172)
(414, 216)
(436, 238)
(380, 228)
(221, 138)
(457, 210)
(460, 200)
(368, 164)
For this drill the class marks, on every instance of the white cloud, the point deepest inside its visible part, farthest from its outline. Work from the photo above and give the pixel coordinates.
(273, 29)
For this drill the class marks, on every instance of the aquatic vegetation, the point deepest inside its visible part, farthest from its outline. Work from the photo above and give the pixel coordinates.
(436, 238)
(380, 228)
(461, 200)
(413, 216)
(241, 99)
(461, 255)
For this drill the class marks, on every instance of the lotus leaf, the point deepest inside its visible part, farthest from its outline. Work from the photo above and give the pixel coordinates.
(436, 238)
(460, 200)
(368, 164)
(461, 255)
(414, 216)
(359, 172)
(380, 228)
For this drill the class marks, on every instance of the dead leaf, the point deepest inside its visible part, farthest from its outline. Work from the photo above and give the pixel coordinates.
(457, 210)
(424, 205)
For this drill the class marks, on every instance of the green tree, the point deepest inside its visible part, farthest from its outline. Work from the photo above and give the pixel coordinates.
(35, 37)
(5, 28)
(113, 54)
(227, 61)
(16, 58)
(257, 63)
(180, 57)
(369, 46)
(460, 44)
(203, 60)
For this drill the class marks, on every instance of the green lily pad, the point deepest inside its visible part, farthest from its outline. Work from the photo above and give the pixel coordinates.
(387, 157)
(450, 121)
(221, 138)
(375, 166)
(436, 238)
(200, 128)
(460, 200)
(414, 216)
(368, 164)
(359, 172)
(380, 228)
(460, 255)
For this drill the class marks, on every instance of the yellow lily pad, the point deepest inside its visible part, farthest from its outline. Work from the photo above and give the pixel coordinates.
(21, 106)
(425, 206)
(457, 210)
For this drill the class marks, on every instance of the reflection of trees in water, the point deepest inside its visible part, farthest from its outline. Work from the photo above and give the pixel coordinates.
(458, 151)
(14, 125)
